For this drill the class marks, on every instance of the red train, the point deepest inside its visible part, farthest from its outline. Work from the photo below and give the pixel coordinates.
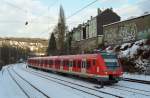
(101, 66)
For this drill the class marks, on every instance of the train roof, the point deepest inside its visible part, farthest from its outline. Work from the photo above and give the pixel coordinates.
(68, 56)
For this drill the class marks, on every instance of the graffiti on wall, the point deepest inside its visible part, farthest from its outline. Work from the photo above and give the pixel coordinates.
(110, 36)
(127, 32)
(144, 34)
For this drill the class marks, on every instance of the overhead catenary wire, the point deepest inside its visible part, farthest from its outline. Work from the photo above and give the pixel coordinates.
(81, 9)
(76, 12)
(15, 6)
(24, 10)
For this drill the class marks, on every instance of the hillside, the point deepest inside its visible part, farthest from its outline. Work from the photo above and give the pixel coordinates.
(135, 56)
(34, 44)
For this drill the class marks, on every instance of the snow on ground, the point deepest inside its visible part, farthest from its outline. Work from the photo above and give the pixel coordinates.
(8, 88)
(51, 87)
(137, 76)
(109, 89)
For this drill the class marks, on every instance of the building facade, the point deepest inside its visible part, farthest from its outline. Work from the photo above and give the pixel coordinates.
(127, 31)
(88, 36)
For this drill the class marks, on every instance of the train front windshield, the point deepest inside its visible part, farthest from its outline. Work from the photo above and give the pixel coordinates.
(110, 60)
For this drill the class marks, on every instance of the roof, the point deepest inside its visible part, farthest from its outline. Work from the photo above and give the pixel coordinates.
(68, 56)
(127, 19)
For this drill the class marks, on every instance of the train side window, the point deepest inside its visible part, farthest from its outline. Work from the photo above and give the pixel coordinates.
(79, 64)
(50, 62)
(54, 62)
(70, 63)
(74, 63)
(67, 63)
(57, 62)
(88, 63)
(39, 61)
(46, 62)
(64, 62)
(61, 62)
(94, 62)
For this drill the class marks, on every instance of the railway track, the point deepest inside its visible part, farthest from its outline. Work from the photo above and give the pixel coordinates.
(136, 80)
(26, 94)
(133, 90)
(118, 87)
(65, 83)
(22, 89)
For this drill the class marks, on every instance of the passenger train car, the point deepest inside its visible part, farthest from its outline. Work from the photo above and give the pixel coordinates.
(100, 66)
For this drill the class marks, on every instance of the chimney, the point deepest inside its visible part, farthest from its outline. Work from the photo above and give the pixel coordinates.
(99, 11)
(111, 8)
(91, 17)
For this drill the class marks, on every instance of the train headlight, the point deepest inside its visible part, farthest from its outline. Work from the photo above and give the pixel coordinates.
(106, 73)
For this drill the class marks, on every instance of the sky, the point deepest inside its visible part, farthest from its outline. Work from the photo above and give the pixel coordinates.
(42, 15)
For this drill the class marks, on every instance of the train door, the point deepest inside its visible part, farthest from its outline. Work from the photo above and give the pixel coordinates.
(70, 65)
(83, 66)
(94, 67)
